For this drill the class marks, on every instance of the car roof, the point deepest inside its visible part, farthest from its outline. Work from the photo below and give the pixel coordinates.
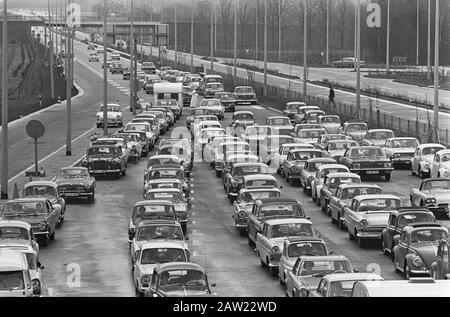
(304, 149)
(330, 166)
(163, 190)
(343, 174)
(280, 221)
(74, 168)
(376, 196)
(278, 200)
(15, 223)
(380, 130)
(252, 189)
(163, 156)
(12, 260)
(421, 146)
(41, 183)
(153, 202)
(28, 199)
(278, 117)
(352, 276)
(243, 112)
(443, 151)
(304, 239)
(179, 266)
(258, 177)
(165, 180)
(354, 185)
(311, 130)
(321, 159)
(162, 244)
(421, 225)
(434, 179)
(243, 164)
(299, 145)
(323, 258)
(145, 223)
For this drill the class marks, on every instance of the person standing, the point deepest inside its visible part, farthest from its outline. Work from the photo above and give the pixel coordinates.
(331, 97)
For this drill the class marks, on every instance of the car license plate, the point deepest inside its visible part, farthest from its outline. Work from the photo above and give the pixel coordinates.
(372, 172)
(71, 194)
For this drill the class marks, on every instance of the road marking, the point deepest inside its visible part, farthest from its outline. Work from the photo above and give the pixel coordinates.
(50, 155)
(258, 107)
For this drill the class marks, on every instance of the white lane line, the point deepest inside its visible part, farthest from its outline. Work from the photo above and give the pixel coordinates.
(258, 107)
(50, 155)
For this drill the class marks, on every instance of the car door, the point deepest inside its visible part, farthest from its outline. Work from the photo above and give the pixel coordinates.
(291, 277)
(252, 219)
(350, 216)
(434, 167)
(390, 232)
(416, 160)
(402, 250)
(442, 261)
(261, 242)
(334, 203)
(52, 216)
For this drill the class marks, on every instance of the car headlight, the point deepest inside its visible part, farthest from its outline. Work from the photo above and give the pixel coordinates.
(430, 200)
(36, 286)
(132, 230)
(397, 155)
(241, 214)
(145, 280)
(118, 117)
(43, 225)
(426, 166)
(234, 183)
(275, 249)
(88, 186)
(447, 173)
(363, 223)
(356, 165)
(417, 261)
(387, 165)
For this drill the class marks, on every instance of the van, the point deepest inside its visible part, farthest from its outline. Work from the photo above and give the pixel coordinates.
(414, 287)
(15, 279)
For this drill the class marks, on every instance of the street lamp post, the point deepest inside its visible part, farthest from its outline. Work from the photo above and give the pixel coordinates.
(305, 49)
(265, 48)
(429, 41)
(4, 167)
(256, 31)
(436, 76)
(192, 36)
(176, 37)
(132, 57)
(69, 90)
(105, 72)
(212, 39)
(327, 61)
(358, 58)
(279, 30)
(388, 33)
(417, 32)
(52, 79)
(235, 42)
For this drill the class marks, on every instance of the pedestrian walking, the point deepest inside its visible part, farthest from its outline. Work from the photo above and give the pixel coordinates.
(331, 97)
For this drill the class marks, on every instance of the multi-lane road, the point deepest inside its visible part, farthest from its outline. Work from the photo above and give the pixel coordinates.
(93, 239)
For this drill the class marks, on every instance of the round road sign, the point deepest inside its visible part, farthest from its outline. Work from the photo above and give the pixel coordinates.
(35, 129)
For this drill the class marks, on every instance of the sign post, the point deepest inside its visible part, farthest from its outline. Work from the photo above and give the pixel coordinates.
(35, 129)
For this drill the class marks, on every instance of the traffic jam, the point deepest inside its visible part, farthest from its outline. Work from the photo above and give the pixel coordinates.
(189, 122)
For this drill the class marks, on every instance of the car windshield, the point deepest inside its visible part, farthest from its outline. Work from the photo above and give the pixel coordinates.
(305, 155)
(244, 90)
(154, 211)
(428, 235)
(334, 182)
(31, 260)
(102, 151)
(210, 103)
(309, 134)
(171, 150)
(404, 220)
(14, 233)
(405, 143)
(292, 107)
(110, 108)
(162, 255)
(166, 174)
(281, 209)
(432, 150)
(327, 171)
(24, 209)
(250, 170)
(157, 231)
(306, 249)
(367, 152)
(243, 116)
(324, 267)
(210, 133)
(350, 193)
(196, 79)
(333, 146)
(39, 190)
(174, 197)
(341, 288)
(279, 121)
(375, 204)
(261, 183)
(155, 185)
(214, 85)
(11, 280)
(436, 184)
(183, 279)
(292, 230)
(333, 137)
(332, 119)
(137, 127)
(314, 166)
(356, 127)
(379, 135)
(286, 149)
(252, 196)
(165, 103)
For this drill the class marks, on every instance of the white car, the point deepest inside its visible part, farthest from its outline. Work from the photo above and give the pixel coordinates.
(196, 128)
(271, 145)
(309, 136)
(93, 57)
(216, 107)
(400, 150)
(277, 158)
(423, 158)
(331, 123)
(377, 137)
(336, 148)
(322, 171)
(150, 255)
(211, 147)
(440, 166)
(114, 115)
(202, 138)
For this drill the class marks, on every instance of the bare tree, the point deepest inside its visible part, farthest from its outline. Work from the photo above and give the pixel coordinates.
(343, 8)
(243, 12)
(226, 14)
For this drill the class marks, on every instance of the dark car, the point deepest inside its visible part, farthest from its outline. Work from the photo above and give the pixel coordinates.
(117, 68)
(227, 99)
(148, 68)
(105, 160)
(187, 95)
(440, 269)
(126, 74)
(398, 220)
(367, 160)
(75, 182)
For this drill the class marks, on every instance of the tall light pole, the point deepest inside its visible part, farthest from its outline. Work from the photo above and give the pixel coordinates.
(358, 57)
(176, 36)
(69, 78)
(417, 32)
(265, 48)
(356, 31)
(279, 30)
(215, 29)
(4, 167)
(388, 33)
(141, 37)
(105, 72)
(256, 31)
(235, 42)
(327, 58)
(132, 57)
(55, 8)
(429, 41)
(212, 38)
(436, 76)
(305, 49)
(52, 80)
(192, 36)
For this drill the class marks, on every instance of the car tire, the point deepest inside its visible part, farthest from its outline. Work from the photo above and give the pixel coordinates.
(124, 172)
(383, 247)
(362, 243)
(117, 176)
(351, 236)
(250, 242)
(333, 221)
(396, 269)
(420, 173)
(52, 236)
(340, 222)
(91, 198)
(387, 177)
(407, 272)
(44, 241)
(273, 271)
(218, 173)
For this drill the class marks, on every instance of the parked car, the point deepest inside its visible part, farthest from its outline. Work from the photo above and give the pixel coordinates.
(434, 194)
(165, 281)
(272, 208)
(348, 62)
(343, 198)
(244, 202)
(416, 248)
(75, 182)
(398, 220)
(105, 160)
(114, 116)
(245, 95)
(355, 129)
(40, 213)
(270, 241)
(423, 159)
(368, 215)
(308, 271)
(377, 137)
(295, 247)
(367, 161)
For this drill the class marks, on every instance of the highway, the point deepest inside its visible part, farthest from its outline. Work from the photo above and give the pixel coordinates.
(95, 236)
